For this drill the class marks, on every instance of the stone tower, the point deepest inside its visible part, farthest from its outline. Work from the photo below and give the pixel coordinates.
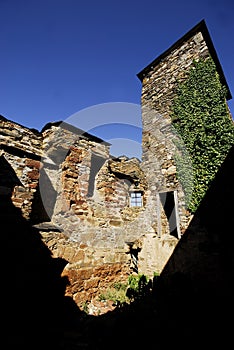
(165, 206)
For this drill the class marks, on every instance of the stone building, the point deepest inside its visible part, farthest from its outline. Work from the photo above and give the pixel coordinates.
(166, 208)
(107, 217)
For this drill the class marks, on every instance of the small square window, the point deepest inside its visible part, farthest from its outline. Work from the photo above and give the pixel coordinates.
(135, 199)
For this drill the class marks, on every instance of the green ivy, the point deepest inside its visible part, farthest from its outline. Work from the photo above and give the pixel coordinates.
(201, 117)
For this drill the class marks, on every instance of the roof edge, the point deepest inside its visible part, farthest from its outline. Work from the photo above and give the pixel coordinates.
(75, 130)
(200, 27)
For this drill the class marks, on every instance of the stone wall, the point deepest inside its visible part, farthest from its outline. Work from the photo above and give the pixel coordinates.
(159, 142)
(66, 183)
(90, 208)
(20, 163)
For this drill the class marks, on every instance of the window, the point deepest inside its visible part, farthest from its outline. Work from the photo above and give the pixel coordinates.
(135, 199)
(96, 164)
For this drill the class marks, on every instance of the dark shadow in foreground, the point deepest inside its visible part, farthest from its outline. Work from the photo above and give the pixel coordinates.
(34, 308)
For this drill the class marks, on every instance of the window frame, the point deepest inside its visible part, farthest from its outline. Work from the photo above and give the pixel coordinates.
(134, 200)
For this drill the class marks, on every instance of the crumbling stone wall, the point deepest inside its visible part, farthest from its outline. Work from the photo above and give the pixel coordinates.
(20, 163)
(70, 188)
(91, 207)
(88, 270)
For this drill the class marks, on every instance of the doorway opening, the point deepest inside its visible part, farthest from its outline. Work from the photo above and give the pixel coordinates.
(167, 207)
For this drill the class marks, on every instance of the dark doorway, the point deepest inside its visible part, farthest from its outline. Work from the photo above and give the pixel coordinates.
(167, 200)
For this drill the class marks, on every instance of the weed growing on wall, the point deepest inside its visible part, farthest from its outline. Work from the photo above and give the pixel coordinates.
(137, 287)
(201, 117)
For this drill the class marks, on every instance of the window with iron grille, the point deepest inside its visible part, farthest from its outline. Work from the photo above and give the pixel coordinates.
(135, 199)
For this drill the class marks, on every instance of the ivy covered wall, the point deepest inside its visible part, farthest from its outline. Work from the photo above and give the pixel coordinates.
(201, 116)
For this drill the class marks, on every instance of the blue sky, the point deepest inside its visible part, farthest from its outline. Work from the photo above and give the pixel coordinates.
(60, 57)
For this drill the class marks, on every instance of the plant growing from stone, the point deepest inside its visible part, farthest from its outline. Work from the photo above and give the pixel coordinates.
(201, 117)
(136, 288)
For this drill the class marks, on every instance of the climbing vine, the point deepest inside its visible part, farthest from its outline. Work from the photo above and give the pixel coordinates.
(200, 116)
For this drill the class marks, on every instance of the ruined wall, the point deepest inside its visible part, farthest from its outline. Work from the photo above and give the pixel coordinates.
(20, 154)
(90, 208)
(69, 187)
